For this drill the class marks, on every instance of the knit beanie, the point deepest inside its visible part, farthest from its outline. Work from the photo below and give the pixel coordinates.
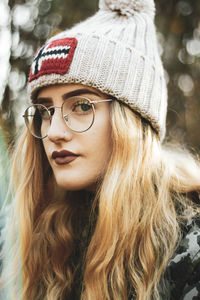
(115, 51)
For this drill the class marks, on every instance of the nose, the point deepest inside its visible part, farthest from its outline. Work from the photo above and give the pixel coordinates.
(58, 129)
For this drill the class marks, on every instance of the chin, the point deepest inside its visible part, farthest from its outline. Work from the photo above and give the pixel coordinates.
(75, 181)
(76, 186)
(69, 186)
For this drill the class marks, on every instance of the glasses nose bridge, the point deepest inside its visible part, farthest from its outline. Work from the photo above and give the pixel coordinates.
(56, 122)
(56, 107)
(64, 118)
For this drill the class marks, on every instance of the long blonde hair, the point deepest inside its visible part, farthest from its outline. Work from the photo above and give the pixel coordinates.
(132, 225)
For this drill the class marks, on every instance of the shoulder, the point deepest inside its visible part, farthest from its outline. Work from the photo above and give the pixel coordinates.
(184, 267)
(190, 244)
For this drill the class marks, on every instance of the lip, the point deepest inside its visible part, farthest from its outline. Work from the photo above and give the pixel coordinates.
(63, 157)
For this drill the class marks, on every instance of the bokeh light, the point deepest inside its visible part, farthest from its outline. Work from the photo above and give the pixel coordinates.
(184, 8)
(5, 42)
(193, 47)
(186, 84)
(24, 16)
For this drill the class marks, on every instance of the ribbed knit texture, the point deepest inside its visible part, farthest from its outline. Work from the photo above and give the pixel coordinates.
(118, 55)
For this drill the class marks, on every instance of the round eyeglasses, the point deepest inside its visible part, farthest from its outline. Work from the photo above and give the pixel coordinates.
(78, 113)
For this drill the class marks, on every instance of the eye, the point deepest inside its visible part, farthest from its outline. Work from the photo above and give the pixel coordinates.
(43, 113)
(82, 106)
(51, 110)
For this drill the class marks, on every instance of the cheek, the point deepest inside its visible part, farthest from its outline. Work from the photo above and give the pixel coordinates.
(101, 147)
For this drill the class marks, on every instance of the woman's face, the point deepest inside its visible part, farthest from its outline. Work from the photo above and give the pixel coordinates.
(78, 160)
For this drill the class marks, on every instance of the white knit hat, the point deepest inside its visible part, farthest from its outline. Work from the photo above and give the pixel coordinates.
(114, 51)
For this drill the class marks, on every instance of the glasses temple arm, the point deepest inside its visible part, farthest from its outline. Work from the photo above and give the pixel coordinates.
(101, 101)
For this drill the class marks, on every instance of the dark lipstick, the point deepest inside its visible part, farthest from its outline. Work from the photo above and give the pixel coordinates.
(63, 157)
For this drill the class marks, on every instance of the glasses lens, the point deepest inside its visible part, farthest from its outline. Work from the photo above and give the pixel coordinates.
(37, 120)
(78, 113)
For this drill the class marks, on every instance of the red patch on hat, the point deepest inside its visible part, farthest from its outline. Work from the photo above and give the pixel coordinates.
(54, 57)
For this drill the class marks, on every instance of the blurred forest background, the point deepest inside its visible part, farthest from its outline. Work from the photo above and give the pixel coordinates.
(26, 24)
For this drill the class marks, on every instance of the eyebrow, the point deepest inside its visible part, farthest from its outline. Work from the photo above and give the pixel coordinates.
(43, 100)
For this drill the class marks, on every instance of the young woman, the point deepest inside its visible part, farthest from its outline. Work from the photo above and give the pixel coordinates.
(102, 209)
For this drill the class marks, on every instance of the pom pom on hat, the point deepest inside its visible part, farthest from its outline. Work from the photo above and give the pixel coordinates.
(129, 7)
